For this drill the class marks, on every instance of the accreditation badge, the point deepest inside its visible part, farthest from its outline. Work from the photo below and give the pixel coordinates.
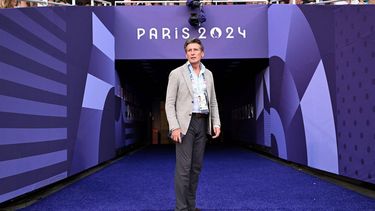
(203, 107)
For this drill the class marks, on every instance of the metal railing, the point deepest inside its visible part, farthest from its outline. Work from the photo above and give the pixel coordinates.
(174, 2)
(105, 3)
(45, 3)
(181, 2)
(327, 2)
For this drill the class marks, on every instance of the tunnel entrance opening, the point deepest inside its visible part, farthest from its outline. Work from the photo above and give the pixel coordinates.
(144, 84)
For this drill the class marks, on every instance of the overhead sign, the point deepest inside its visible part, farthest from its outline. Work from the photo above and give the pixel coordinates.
(160, 32)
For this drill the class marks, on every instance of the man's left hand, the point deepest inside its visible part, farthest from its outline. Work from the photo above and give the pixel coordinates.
(217, 132)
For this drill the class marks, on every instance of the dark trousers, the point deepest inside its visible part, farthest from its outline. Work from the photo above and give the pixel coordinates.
(189, 161)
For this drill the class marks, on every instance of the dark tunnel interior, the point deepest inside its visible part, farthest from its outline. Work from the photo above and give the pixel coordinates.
(145, 82)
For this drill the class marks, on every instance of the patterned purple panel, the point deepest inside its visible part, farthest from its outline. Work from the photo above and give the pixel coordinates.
(37, 29)
(22, 77)
(355, 61)
(288, 100)
(96, 91)
(303, 54)
(278, 34)
(33, 105)
(102, 38)
(319, 124)
(278, 132)
(31, 52)
(295, 56)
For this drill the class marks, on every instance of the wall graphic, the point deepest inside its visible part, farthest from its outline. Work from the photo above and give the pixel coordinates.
(63, 109)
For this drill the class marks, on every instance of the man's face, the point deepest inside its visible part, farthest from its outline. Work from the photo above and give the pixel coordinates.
(194, 53)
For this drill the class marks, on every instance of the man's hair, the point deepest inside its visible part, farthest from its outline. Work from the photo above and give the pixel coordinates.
(193, 40)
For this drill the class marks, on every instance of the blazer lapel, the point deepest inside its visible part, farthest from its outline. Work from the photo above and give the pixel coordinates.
(185, 73)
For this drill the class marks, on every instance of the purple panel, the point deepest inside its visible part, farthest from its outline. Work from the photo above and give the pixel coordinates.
(51, 15)
(276, 73)
(23, 77)
(79, 31)
(242, 30)
(21, 165)
(300, 44)
(355, 83)
(14, 151)
(31, 135)
(86, 149)
(101, 66)
(32, 187)
(319, 124)
(289, 100)
(96, 92)
(102, 38)
(279, 20)
(296, 139)
(30, 52)
(277, 130)
(33, 27)
(21, 106)
(107, 145)
(296, 44)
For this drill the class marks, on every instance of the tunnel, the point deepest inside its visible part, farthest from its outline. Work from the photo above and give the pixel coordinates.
(145, 83)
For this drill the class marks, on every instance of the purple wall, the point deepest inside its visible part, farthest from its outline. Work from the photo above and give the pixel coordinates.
(34, 100)
(355, 100)
(301, 110)
(321, 106)
(63, 110)
(57, 105)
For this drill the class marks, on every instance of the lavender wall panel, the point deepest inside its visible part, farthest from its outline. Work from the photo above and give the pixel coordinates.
(31, 52)
(21, 165)
(17, 75)
(30, 135)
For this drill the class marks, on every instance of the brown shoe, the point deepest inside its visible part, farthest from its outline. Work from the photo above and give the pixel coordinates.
(197, 209)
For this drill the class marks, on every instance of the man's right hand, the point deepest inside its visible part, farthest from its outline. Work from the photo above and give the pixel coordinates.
(176, 135)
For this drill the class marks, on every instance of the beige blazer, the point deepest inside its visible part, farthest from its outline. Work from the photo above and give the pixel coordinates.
(179, 100)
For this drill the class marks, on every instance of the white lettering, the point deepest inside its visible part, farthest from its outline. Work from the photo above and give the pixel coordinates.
(202, 32)
(176, 33)
(185, 33)
(166, 33)
(153, 33)
(229, 31)
(140, 33)
(243, 32)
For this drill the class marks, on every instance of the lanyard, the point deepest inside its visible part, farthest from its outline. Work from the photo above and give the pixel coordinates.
(199, 87)
(200, 93)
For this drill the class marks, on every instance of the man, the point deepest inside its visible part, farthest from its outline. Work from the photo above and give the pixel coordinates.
(192, 113)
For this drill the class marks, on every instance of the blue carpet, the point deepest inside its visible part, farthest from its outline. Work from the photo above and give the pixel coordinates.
(232, 179)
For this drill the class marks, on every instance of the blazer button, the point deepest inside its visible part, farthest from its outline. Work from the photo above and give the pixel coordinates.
(192, 101)
(189, 114)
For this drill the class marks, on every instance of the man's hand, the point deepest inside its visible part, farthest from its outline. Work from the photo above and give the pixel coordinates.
(217, 132)
(176, 135)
